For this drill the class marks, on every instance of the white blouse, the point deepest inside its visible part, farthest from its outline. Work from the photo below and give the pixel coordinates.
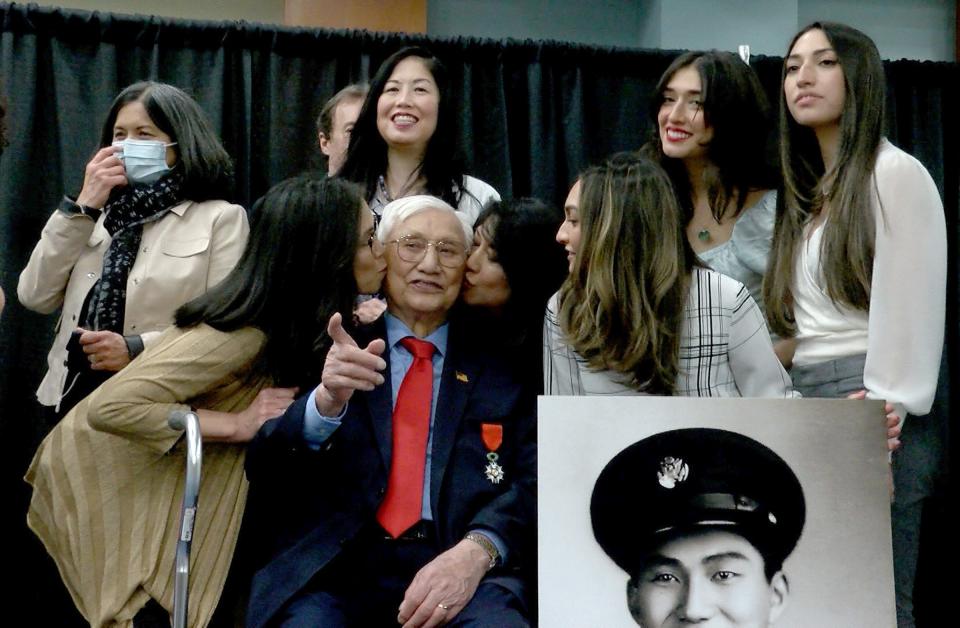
(902, 333)
(725, 349)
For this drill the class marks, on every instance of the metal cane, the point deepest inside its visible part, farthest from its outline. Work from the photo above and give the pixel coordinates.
(189, 421)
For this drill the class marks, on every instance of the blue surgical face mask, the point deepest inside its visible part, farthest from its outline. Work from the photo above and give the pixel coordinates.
(145, 161)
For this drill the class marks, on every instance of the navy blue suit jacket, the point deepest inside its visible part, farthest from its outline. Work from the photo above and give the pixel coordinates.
(331, 494)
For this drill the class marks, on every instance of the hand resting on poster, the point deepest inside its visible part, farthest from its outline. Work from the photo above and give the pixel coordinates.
(894, 421)
(893, 433)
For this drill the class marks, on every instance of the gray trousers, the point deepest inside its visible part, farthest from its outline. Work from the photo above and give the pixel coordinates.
(915, 466)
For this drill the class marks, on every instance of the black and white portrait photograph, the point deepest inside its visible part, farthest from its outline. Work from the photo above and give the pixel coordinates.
(480, 313)
(662, 512)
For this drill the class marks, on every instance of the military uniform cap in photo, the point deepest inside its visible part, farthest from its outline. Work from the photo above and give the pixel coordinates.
(682, 481)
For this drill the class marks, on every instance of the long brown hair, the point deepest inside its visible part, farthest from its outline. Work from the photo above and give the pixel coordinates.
(848, 235)
(735, 106)
(621, 308)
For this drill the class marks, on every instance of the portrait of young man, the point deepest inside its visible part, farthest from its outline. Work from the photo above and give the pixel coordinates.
(701, 520)
(674, 512)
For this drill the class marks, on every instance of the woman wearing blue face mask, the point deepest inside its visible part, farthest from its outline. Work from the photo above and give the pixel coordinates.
(147, 233)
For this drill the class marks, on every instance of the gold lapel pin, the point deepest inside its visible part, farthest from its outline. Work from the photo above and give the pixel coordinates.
(462, 377)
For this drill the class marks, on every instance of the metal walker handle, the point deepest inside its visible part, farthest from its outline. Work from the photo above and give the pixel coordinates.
(189, 421)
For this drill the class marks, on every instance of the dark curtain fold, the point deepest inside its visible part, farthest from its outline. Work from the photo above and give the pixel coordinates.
(532, 114)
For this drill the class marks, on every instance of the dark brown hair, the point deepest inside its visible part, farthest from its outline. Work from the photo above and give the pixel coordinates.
(442, 166)
(848, 234)
(304, 233)
(734, 105)
(207, 168)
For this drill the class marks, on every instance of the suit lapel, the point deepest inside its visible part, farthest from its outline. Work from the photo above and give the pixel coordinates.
(380, 399)
(459, 375)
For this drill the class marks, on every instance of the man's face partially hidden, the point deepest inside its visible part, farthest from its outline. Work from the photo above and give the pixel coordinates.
(708, 579)
(335, 147)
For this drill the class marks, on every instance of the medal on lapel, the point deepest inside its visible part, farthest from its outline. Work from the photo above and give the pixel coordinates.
(492, 434)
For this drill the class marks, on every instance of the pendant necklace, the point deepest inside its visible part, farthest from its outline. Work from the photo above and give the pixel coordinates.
(385, 193)
(704, 234)
(382, 185)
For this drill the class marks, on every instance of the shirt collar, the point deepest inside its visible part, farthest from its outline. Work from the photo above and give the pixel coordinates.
(397, 331)
(180, 208)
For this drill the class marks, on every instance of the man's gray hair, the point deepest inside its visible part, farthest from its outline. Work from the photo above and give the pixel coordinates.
(354, 91)
(395, 212)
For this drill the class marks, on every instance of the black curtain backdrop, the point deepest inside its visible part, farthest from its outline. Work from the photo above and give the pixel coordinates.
(532, 114)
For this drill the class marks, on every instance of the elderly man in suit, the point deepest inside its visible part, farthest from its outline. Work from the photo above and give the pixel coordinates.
(403, 484)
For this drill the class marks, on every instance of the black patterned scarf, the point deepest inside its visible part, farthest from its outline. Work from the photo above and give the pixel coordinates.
(126, 213)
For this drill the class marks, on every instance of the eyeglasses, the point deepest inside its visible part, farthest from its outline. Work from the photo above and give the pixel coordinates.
(372, 240)
(414, 248)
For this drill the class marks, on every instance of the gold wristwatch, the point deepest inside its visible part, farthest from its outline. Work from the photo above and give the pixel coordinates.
(483, 541)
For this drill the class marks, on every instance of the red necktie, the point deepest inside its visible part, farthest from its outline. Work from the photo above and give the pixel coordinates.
(403, 504)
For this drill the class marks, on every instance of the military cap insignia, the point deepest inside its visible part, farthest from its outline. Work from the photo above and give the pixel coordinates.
(704, 477)
(672, 471)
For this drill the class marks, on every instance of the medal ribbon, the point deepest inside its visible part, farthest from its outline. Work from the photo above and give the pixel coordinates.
(492, 434)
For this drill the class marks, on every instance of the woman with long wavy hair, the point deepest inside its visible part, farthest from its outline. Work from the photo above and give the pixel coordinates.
(858, 275)
(712, 121)
(638, 313)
